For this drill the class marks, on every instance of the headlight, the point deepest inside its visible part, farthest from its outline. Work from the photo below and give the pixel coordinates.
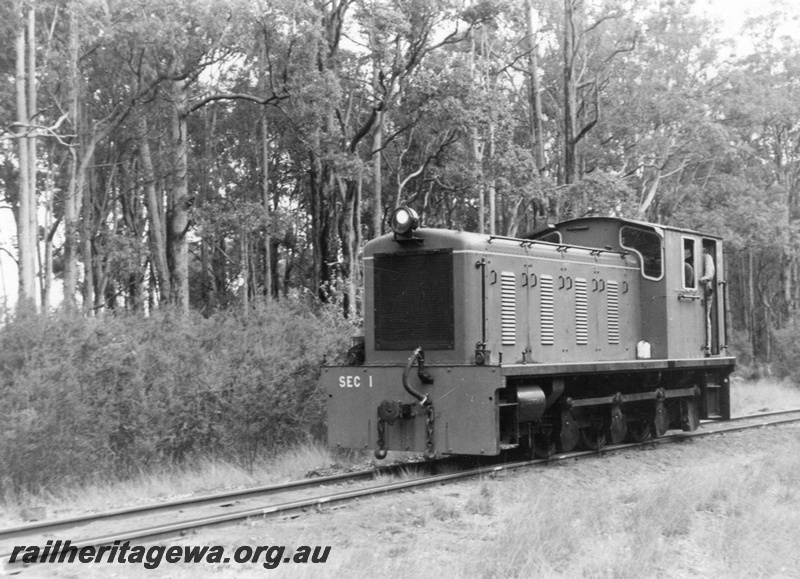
(403, 221)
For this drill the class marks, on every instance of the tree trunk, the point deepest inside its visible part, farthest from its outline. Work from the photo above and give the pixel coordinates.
(27, 213)
(71, 203)
(477, 155)
(105, 196)
(129, 196)
(355, 270)
(492, 186)
(652, 189)
(323, 209)
(265, 199)
(86, 236)
(315, 202)
(347, 234)
(205, 278)
(379, 94)
(179, 201)
(157, 234)
(71, 236)
(787, 264)
(377, 177)
(33, 228)
(265, 192)
(82, 155)
(570, 96)
(50, 228)
(537, 135)
(245, 259)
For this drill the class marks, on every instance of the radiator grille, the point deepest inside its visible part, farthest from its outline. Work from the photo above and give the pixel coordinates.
(508, 308)
(612, 295)
(581, 312)
(546, 310)
(414, 301)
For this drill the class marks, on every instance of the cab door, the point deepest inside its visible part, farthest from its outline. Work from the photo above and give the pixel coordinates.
(712, 298)
(688, 313)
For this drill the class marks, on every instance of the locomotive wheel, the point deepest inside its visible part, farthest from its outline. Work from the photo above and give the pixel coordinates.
(640, 431)
(619, 426)
(570, 433)
(592, 438)
(690, 415)
(543, 446)
(662, 421)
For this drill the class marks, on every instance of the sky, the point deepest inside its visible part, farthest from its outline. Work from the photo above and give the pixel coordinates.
(731, 14)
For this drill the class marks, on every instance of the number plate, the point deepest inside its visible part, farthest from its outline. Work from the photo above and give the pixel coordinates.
(355, 381)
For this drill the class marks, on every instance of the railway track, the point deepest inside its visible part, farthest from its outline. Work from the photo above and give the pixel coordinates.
(179, 518)
(222, 500)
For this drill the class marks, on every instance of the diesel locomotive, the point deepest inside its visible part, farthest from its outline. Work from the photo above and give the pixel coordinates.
(584, 333)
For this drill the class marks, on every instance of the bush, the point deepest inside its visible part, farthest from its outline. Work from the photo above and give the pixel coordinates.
(786, 352)
(125, 393)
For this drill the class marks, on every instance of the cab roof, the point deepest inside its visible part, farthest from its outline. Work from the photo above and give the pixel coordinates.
(586, 221)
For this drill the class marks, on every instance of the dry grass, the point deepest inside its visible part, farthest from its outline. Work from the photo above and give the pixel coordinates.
(204, 476)
(481, 502)
(732, 518)
(739, 521)
(766, 394)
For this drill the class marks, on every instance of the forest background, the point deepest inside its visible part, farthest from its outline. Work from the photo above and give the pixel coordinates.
(192, 182)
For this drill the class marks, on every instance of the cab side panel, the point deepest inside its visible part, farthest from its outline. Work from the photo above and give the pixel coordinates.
(545, 310)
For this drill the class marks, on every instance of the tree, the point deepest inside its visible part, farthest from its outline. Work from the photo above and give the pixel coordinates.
(25, 80)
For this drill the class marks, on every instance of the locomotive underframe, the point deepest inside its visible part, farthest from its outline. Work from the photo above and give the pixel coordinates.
(483, 410)
(592, 409)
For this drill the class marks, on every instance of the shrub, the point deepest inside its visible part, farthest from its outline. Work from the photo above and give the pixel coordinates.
(124, 393)
(786, 352)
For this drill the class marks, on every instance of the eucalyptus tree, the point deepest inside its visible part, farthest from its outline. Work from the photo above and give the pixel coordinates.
(26, 100)
(758, 106)
(765, 109)
(660, 130)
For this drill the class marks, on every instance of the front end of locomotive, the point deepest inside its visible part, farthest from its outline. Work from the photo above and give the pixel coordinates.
(412, 382)
(416, 407)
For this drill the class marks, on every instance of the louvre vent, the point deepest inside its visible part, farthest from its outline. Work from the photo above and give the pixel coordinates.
(508, 308)
(612, 295)
(581, 312)
(414, 301)
(547, 309)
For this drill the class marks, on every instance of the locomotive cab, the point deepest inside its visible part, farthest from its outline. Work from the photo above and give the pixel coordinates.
(594, 329)
(681, 282)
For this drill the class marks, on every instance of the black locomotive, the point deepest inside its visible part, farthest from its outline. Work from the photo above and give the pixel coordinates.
(586, 332)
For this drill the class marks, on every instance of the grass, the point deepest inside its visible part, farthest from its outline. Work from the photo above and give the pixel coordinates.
(725, 517)
(764, 395)
(742, 520)
(200, 477)
(481, 502)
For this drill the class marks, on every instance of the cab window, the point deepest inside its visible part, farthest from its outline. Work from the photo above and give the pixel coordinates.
(689, 263)
(647, 243)
(552, 237)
